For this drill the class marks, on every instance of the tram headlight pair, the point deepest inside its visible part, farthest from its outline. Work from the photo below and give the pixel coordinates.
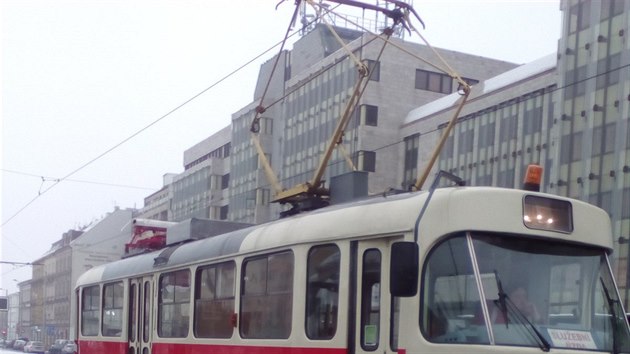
(539, 219)
(544, 213)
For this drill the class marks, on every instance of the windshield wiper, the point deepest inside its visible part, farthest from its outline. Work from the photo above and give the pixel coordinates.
(520, 316)
(505, 304)
(502, 297)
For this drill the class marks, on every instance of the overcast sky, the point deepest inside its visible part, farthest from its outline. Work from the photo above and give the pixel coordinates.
(80, 77)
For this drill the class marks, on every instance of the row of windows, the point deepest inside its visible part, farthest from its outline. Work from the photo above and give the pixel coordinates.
(208, 294)
(437, 82)
(580, 13)
(220, 153)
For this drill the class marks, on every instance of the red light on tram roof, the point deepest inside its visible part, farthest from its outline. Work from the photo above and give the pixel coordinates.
(533, 177)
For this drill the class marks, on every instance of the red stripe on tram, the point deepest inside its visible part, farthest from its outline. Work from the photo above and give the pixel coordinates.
(98, 347)
(168, 348)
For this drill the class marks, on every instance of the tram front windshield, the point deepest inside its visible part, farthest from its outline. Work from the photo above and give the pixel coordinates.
(535, 293)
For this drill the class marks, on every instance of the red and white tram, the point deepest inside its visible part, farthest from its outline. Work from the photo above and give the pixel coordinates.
(459, 269)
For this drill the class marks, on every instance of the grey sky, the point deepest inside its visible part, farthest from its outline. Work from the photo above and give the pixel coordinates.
(79, 77)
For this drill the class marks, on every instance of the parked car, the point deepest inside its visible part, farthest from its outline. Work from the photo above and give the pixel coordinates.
(69, 348)
(56, 347)
(19, 344)
(9, 344)
(34, 346)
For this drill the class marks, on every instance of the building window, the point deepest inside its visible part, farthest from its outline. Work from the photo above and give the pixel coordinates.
(263, 196)
(506, 179)
(267, 296)
(603, 139)
(226, 150)
(509, 128)
(369, 115)
(214, 301)
(375, 69)
(367, 161)
(90, 309)
(223, 213)
(266, 126)
(174, 304)
(322, 291)
(466, 141)
(533, 120)
(112, 309)
(448, 148)
(411, 159)
(432, 81)
(486, 135)
(225, 181)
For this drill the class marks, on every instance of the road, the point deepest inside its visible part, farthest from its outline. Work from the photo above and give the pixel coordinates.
(9, 351)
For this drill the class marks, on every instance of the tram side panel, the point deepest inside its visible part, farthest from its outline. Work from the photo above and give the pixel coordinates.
(264, 308)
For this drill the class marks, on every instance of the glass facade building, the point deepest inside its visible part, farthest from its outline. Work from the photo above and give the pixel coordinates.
(574, 123)
(493, 147)
(593, 160)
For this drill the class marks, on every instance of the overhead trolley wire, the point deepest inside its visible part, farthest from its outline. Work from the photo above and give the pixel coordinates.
(114, 147)
(332, 163)
(55, 179)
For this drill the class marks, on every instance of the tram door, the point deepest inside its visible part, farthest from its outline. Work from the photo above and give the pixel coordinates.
(373, 305)
(139, 331)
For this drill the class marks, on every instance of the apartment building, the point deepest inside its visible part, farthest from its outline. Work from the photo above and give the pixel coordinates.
(47, 298)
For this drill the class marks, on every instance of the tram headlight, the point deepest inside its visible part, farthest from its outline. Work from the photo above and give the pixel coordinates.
(543, 213)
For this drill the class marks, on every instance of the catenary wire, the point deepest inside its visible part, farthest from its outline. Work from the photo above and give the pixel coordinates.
(140, 131)
(55, 179)
(227, 76)
(332, 163)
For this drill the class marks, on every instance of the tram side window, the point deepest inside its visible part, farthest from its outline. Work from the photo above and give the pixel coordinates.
(322, 292)
(112, 309)
(267, 296)
(90, 309)
(214, 301)
(174, 304)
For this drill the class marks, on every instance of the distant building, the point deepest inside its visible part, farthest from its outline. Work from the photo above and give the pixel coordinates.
(157, 206)
(13, 315)
(23, 327)
(46, 300)
(51, 291)
(223, 177)
(201, 191)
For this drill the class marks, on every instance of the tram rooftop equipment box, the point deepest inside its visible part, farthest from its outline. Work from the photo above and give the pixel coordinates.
(197, 229)
(348, 186)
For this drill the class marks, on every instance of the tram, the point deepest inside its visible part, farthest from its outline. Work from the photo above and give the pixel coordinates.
(453, 269)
